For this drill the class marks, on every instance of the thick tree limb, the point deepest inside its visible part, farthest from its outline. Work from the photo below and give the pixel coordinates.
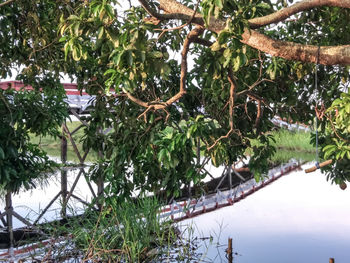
(287, 12)
(175, 10)
(203, 42)
(184, 25)
(329, 55)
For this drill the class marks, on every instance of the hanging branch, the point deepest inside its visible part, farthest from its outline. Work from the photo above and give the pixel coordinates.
(231, 108)
(156, 105)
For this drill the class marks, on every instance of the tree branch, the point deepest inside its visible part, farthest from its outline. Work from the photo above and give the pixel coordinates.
(329, 55)
(176, 10)
(284, 13)
(192, 36)
(203, 42)
(184, 25)
(6, 3)
(231, 108)
(189, 39)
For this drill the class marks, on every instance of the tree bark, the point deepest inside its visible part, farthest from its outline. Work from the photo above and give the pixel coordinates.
(328, 55)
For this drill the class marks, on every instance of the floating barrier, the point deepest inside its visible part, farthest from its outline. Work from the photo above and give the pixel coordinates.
(179, 211)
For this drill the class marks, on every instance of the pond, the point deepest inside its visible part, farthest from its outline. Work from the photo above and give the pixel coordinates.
(299, 218)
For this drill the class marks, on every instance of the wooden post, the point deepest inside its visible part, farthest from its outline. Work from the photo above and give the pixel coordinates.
(198, 165)
(100, 180)
(9, 215)
(64, 184)
(229, 175)
(331, 260)
(229, 251)
(100, 190)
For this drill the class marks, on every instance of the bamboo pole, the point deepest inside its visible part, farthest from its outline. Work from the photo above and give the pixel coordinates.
(314, 168)
(229, 175)
(229, 251)
(64, 183)
(9, 215)
(100, 180)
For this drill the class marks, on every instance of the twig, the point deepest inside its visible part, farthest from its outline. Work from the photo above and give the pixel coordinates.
(6, 3)
(182, 26)
(334, 130)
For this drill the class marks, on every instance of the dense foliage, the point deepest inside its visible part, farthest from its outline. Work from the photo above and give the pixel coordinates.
(23, 163)
(337, 138)
(181, 82)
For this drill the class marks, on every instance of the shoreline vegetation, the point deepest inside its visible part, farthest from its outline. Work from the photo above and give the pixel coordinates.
(115, 234)
(288, 145)
(134, 242)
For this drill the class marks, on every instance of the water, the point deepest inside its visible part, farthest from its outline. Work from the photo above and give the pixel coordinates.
(29, 204)
(299, 218)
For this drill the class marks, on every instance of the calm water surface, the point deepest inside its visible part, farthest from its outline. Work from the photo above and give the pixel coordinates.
(299, 218)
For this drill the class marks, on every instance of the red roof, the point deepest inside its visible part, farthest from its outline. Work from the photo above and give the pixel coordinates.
(71, 88)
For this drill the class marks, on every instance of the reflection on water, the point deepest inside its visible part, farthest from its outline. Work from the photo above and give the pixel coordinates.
(299, 218)
(29, 204)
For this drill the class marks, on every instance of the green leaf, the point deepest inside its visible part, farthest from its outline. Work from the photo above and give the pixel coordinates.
(219, 3)
(109, 71)
(2, 154)
(216, 46)
(227, 53)
(347, 108)
(157, 54)
(263, 6)
(62, 39)
(100, 32)
(236, 63)
(129, 57)
(73, 17)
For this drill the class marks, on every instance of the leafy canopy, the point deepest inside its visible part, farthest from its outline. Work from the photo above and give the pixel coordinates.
(184, 82)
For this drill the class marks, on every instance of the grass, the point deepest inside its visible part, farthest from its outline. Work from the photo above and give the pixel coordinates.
(290, 145)
(129, 232)
(294, 141)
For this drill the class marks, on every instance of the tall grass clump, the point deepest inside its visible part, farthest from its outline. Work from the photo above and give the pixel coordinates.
(128, 232)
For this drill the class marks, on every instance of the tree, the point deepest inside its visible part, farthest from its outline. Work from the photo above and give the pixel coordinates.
(250, 60)
(22, 163)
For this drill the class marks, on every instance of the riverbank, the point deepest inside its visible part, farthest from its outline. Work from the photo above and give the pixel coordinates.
(288, 145)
